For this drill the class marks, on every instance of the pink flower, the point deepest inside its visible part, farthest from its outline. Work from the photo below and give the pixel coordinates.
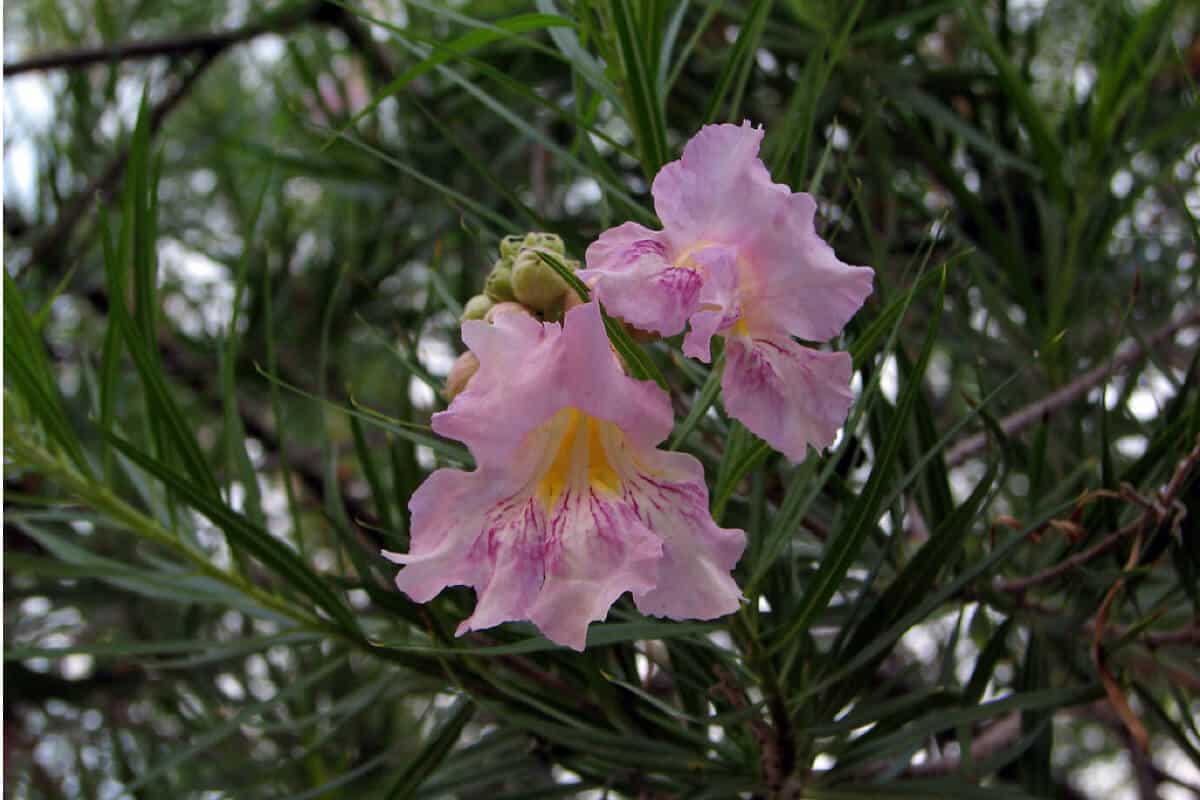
(739, 257)
(570, 505)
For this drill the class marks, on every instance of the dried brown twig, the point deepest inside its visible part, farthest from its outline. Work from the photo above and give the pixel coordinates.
(1163, 507)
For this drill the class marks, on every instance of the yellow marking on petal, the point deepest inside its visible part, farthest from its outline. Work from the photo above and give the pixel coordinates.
(581, 459)
(685, 259)
(740, 328)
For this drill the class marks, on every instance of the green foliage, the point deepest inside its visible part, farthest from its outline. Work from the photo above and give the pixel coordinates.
(228, 314)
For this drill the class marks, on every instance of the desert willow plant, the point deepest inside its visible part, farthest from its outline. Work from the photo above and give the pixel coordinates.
(555, 306)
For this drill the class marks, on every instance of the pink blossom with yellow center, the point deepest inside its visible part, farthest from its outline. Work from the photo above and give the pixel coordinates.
(739, 257)
(571, 504)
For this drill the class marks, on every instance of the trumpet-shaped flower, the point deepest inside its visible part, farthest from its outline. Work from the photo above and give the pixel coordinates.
(739, 257)
(570, 504)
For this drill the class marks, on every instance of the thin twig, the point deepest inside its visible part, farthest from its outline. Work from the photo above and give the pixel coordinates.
(1075, 561)
(1158, 511)
(1031, 414)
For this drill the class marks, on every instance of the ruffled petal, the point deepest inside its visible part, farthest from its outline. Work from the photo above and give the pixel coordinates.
(705, 195)
(597, 550)
(790, 395)
(694, 580)
(628, 269)
(511, 548)
(448, 512)
(560, 569)
(719, 306)
(792, 279)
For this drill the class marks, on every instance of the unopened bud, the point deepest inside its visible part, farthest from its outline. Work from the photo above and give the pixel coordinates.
(460, 375)
(571, 300)
(510, 246)
(545, 241)
(499, 284)
(505, 308)
(477, 307)
(535, 282)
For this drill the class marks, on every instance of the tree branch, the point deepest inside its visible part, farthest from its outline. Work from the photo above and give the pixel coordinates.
(210, 43)
(1029, 415)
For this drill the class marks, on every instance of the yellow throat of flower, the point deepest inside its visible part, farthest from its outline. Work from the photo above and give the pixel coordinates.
(686, 260)
(581, 459)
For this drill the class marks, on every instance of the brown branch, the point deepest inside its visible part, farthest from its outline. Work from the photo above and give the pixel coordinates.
(173, 46)
(1031, 414)
(994, 739)
(209, 42)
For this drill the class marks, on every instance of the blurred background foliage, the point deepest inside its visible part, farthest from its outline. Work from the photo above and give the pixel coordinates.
(237, 239)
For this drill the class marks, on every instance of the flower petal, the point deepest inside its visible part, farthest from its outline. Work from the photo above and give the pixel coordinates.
(719, 306)
(706, 195)
(694, 580)
(593, 381)
(448, 512)
(793, 280)
(596, 551)
(510, 549)
(629, 271)
(790, 395)
(514, 390)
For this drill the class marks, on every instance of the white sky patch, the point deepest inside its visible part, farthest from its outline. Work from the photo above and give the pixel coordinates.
(420, 394)
(425, 457)
(436, 355)
(1154, 390)
(1110, 778)
(230, 686)
(204, 303)
(889, 379)
(938, 372)
(581, 194)
(1083, 78)
(28, 111)
(1133, 446)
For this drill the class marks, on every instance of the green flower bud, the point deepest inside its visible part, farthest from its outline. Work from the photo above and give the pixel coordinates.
(535, 282)
(499, 284)
(477, 307)
(545, 241)
(510, 246)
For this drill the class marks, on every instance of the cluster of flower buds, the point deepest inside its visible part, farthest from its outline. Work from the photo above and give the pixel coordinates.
(521, 275)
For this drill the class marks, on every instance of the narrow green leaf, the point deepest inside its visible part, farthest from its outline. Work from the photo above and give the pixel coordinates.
(842, 549)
